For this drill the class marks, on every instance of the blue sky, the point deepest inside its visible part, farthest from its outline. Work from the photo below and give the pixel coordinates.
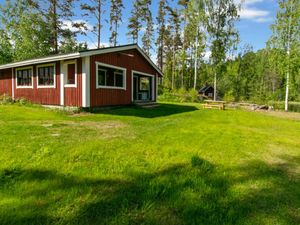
(254, 25)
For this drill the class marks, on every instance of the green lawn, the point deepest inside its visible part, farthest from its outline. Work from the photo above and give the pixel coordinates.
(175, 164)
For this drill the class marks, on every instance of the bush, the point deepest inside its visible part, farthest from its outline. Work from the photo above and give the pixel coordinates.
(22, 101)
(180, 95)
(6, 100)
(183, 95)
(293, 106)
(194, 95)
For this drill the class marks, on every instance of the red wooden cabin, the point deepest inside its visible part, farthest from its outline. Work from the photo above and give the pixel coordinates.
(92, 78)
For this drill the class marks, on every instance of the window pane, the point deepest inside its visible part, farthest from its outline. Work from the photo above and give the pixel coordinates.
(144, 84)
(119, 79)
(71, 74)
(101, 77)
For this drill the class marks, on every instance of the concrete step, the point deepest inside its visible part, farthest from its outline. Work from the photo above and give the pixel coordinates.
(146, 104)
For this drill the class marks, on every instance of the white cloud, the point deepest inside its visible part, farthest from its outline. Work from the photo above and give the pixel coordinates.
(94, 44)
(66, 24)
(248, 13)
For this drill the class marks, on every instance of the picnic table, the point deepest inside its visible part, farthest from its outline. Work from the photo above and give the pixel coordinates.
(209, 104)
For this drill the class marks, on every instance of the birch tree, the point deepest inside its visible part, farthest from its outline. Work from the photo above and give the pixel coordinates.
(286, 36)
(222, 15)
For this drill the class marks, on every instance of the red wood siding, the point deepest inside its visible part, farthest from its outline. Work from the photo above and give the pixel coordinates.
(131, 60)
(46, 96)
(73, 96)
(5, 82)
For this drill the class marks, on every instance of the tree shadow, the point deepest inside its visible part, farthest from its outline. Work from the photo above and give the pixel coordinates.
(160, 111)
(193, 193)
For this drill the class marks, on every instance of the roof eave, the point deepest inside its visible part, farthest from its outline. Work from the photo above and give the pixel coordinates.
(40, 60)
(81, 54)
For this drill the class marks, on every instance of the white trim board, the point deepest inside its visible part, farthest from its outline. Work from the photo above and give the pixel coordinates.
(65, 71)
(86, 82)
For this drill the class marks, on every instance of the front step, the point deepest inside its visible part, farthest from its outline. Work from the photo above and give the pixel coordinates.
(146, 104)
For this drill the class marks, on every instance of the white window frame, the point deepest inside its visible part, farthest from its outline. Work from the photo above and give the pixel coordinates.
(112, 67)
(66, 75)
(24, 68)
(37, 75)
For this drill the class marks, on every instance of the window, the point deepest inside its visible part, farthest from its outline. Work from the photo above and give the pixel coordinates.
(46, 75)
(24, 77)
(144, 84)
(71, 73)
(110, 76)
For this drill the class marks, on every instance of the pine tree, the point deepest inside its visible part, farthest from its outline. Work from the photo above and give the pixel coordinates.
(184, 4)
(94, 10)
(115, 20)
(135, 21)
(174, 27)
(56, 12)
(161, 21)
(147, 38)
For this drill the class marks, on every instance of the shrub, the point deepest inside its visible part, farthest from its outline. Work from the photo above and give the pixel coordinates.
(22, 101)
(6, 100)
(183, 95)
(194, 95)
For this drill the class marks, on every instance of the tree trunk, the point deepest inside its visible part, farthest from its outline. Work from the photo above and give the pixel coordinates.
(55, 26)
(99, 23)
(215, 86)
(173, 69)
(288, 66)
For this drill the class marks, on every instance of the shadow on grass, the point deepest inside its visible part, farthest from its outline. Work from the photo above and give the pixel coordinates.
(160, 111)
(193, 193)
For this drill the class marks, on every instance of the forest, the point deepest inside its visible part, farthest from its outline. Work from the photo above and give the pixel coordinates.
(178, 38)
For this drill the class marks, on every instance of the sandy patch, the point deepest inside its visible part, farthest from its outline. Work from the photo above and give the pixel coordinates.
(280, 114)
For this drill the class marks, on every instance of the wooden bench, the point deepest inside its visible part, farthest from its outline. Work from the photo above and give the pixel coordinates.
(209, 104)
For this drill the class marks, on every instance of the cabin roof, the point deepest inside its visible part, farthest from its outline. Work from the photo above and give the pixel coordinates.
(79, 54)
(205, 88)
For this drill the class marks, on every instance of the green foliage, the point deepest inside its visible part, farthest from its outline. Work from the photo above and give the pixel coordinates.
(293, 106)
(179, 95)
(174, 164)
(6, 100)
(6, 53)
(194, 95)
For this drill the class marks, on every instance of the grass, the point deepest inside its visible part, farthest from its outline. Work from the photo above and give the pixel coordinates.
(175, 164)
